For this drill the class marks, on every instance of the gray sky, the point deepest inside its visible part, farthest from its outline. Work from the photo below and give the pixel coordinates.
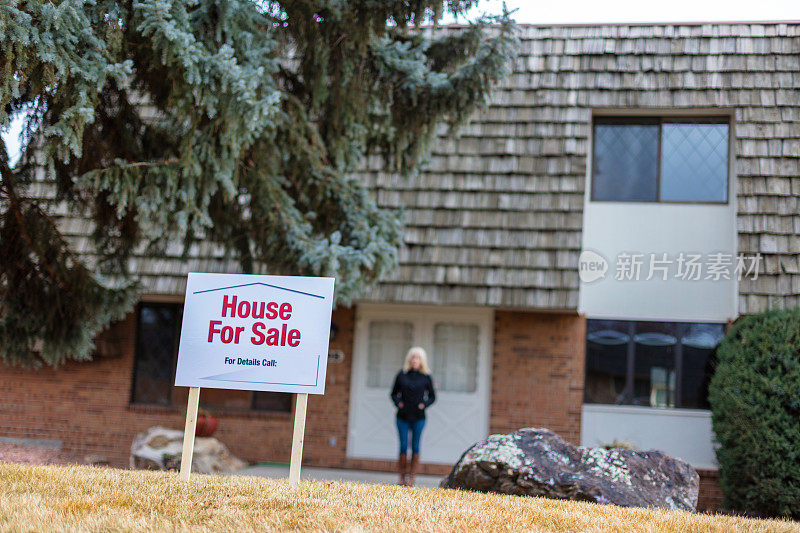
(578, 11)
(581, 11)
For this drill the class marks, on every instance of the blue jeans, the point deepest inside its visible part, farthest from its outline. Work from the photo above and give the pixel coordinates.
(415, 428)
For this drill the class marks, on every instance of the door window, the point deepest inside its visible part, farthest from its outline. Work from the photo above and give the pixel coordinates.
(455, 357)
(388, 343)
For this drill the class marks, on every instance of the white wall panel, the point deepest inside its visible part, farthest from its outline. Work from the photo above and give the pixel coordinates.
(683, 433)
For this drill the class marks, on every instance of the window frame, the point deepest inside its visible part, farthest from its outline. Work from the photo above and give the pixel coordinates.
(627, 393)
(660, 120)
(138, 336)
(176, 336)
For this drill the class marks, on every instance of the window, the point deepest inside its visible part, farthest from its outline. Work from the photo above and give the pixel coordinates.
(455, 361)
(656, 364)
(158, 335)
(389, 341)
(453, 344)
(648, 159)
(156, 351)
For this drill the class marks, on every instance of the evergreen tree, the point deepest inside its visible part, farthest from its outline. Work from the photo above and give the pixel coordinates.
(234, 121)
(755, 407)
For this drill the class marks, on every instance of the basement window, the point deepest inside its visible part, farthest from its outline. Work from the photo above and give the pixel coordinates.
(651, 159)
(157, 337)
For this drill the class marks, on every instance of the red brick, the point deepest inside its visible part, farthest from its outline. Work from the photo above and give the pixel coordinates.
(537, 380)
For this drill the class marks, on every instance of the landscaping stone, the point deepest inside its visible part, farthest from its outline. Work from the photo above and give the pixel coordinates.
(160, 448)
(35, 455)
(537, 462)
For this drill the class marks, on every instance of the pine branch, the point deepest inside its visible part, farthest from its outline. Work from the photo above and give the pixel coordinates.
(238, 123)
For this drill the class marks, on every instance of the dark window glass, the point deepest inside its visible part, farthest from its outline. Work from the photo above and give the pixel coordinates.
(657, 364)
(272, 401)
(699, 343)
(625, 166)
(606, 361)
(654, 364)
(156, 348)
(694, 162)
(157, 342)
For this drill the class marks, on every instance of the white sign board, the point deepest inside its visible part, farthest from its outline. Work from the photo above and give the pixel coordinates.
(253, 332)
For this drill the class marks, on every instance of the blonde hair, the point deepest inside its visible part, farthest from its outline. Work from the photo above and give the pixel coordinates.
(423, 360)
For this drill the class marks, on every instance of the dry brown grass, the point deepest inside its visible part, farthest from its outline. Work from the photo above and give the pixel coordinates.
(82, 498)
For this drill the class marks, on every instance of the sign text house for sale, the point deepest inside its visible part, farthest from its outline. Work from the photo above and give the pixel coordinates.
(251, 332)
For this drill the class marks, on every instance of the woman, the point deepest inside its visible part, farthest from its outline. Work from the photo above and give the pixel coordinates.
(412, 393)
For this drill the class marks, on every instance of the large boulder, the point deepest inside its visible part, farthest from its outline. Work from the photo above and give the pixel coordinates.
(160, 449)
(537, 462)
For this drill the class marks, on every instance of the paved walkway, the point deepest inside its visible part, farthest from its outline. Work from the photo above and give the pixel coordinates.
(336, 474)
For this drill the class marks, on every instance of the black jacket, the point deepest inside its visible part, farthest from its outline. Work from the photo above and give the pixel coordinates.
(411, 389)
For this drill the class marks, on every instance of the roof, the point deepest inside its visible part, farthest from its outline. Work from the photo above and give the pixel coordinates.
(495, 218)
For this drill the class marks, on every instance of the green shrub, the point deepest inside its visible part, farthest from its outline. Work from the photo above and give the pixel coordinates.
(755, 403)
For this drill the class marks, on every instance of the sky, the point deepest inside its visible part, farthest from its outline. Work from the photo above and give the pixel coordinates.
(580, 11)
(583, 11)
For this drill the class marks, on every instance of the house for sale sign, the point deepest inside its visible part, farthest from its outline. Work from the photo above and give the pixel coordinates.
(253, 332)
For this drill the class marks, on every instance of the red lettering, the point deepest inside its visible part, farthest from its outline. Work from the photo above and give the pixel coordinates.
(273, 337)
(294, 338)
(212, 329)
(258, 314)
(244, 304)
(227, 334)
(239, 329)
(286, 311)
(272, 310)
(228, 306)
(258, 337)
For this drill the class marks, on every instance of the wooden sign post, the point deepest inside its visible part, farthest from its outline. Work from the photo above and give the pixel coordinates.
(258, 333)
(188, 432)
(300, 406)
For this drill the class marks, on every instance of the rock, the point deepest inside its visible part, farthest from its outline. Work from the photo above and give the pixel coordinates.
(537, 462)
(160, 449)
(95, 459)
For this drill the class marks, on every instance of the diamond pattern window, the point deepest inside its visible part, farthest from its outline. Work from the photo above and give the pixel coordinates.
(660, 160)
(694, 162)
(625, 162)
(156, 350)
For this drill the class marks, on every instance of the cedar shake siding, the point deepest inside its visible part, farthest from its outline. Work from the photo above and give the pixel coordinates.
(495, 219)
(495, 216)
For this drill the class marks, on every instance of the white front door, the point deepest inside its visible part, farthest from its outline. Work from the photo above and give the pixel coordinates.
(458, 342)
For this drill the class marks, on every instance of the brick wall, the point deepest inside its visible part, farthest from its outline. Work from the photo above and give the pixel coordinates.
(537, 380)
(326, 425)
(538, 372)
(710, 498)
(87, 407)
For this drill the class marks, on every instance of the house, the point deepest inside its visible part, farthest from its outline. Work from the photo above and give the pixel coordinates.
(571, 260)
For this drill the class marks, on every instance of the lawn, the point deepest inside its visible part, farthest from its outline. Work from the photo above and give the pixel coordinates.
(47, 498)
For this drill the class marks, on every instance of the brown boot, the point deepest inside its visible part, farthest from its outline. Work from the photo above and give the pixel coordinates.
(402, 468)
(413, 470)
